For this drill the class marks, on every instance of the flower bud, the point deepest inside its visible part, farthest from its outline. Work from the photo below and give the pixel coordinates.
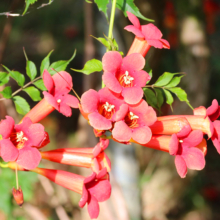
(18, 196)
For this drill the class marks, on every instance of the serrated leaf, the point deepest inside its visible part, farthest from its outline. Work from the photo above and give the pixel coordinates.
(102, 6)
(21, 105)
(33, 93)
(60, 65)
(4, 78)
(169, 98)
(45, 63)
(7, 92)
(164, 79)
(174, 82)
(151, 75)
(128, 5)
(160, 98)
(40, 85)
(91, 66)
(181, 94)
(28, 3)
(150, 97)
(31, 69)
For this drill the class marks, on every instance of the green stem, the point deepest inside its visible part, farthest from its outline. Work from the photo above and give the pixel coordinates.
(23, 87)
(111, 24)
(3, 165)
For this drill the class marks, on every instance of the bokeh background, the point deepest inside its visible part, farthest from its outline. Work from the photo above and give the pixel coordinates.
(145, 184)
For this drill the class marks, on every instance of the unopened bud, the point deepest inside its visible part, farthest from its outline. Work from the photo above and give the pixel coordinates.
(18, 196)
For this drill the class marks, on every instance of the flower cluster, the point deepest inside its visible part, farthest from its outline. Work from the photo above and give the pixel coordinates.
(118, 108)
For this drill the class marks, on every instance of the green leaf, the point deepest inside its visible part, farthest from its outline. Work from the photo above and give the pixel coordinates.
(115, 45)
(169, 98)
(40, 85)
(4, 78)
(128, 5)
(33, 93)
(150, 97)
(21, 105)
(18, 77)
(164, 79)
(103, 41)
(174, 82)
(45, 63)
(60, 65)
(91, 66)
(31, 69)
(28, 3)
(160, 98)
(181, 94)
(102, 6)
(7, 92)
(151, 75)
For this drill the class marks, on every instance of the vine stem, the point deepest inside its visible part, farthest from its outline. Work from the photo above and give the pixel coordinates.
(112, 18)
(111, 25)
(23, 87)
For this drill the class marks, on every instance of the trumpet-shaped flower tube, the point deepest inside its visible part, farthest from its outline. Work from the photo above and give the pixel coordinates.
(133, 122)
(100, 107)
(179, 126)
(19, 142)
(94, 189)
(125, 75)
(196, 122)
(93, 158)
(146, 36)
(213, 112)
(187, 155)
(57, 97)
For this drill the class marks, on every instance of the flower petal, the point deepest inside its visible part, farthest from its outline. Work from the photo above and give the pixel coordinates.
(193, 139)
(132, 95)
(165, 43)
(173, 145)
(93, 207)
(6, 127)
(121, 131)
(63, 83)
(142, 134)
(136, 31)
(50, 99)
(26, 123)
(134, 61)
(71, 100)
(134, 20)
(122, 112)
(35, 134)
(48, 82)
(90, 101)
(29, 158)
(155, 43)
(8, 151)
(111, 61)
(141, 78)
(194, 158)
(99, 122)
(111, 82)
(65, 109)
(181, 166)
(151, 32)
